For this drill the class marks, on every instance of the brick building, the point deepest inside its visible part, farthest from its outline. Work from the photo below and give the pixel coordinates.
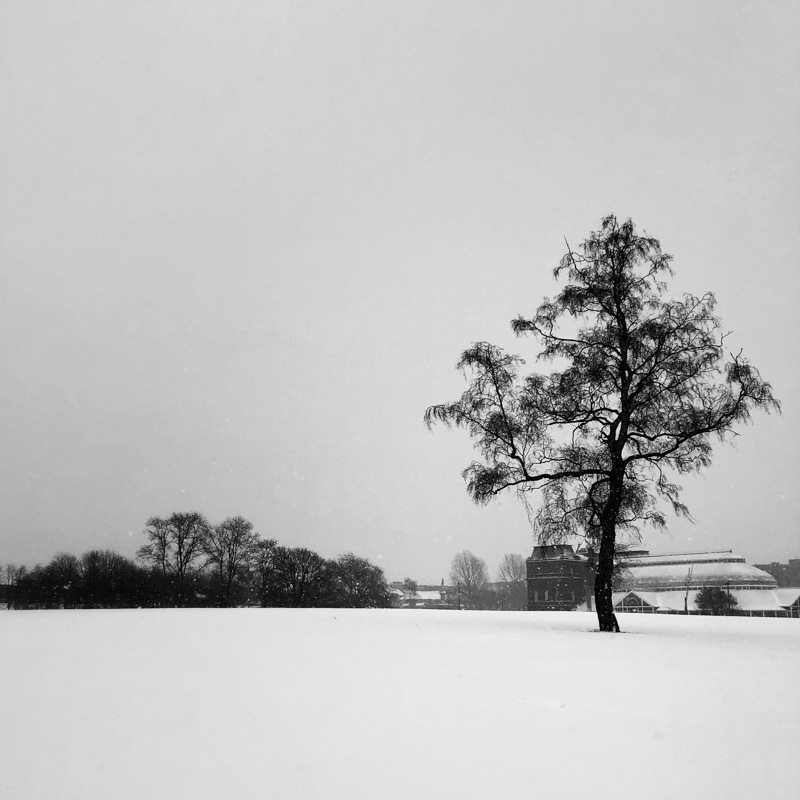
(558, 578)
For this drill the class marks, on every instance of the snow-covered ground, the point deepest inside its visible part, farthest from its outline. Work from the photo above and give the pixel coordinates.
(395, 704)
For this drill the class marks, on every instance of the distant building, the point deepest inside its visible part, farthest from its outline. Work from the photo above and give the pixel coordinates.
(670, 583)
(557, 577)
(561, 579)
(424, 597)
(501, 596)
(786, 574)
(789, 598)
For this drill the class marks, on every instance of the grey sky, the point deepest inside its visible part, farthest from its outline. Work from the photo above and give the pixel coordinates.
(243, 245)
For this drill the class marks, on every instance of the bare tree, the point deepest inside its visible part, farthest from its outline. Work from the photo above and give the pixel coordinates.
(175, 550)
(300, 577)
(13, 575)
(644, 391)
(356, 583)
(468, 572)
(512, 568)
(110, 580)
(263, 569)
(230, 548)
(61, 580)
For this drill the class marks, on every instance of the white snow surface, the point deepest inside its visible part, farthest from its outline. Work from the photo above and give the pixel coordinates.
(747, 599)
(279, 703)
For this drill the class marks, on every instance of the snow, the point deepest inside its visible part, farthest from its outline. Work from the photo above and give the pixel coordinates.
(395, 704)
(757, 600)
(700, 557)
(426, 595)
(747, 599)
(788, 596)
(719, 572)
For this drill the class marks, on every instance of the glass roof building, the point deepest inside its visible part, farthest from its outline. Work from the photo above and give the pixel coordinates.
(670, 583)
(560, 578)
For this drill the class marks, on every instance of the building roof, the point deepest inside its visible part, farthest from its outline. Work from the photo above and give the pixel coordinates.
(680, 571)
(425, 595)
(662, 601)
(788, 596)
(701, 557)
(757, 601)
(747, 599)
(555, 552)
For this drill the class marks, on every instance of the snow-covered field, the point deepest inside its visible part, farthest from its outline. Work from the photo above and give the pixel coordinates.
(275, 703)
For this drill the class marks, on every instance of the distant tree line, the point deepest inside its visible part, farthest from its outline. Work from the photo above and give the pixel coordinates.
(469, 576)
(188, 562)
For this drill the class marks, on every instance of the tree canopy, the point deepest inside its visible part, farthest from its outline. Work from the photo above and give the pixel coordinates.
(640, 388)
(716, 601)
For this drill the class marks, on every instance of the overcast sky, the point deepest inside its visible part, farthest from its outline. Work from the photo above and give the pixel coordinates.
(243, 245)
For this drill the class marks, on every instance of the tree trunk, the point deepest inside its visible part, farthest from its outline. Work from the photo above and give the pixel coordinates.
(603, 582)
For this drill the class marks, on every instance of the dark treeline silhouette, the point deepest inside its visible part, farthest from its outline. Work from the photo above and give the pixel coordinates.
(187, 562)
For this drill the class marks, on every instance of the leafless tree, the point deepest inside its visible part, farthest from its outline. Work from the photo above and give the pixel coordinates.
(644, 391)
(512, 568)
(300, 577)
(110, 580)
(61, 580)
(263, 569)
(468, 572)
(230, 548)
(175, 549)
(356, 583)
(13, 574)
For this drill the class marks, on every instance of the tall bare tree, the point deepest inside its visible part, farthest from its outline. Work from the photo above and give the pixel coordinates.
(468, 572)
(357, 583)
(13, 575)
(300, 577)
(110, 580)
(61, 580)
(263, 569)
(512, 568)
(644, 392)
(230, 548)
(175, 548)
(511, 576)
